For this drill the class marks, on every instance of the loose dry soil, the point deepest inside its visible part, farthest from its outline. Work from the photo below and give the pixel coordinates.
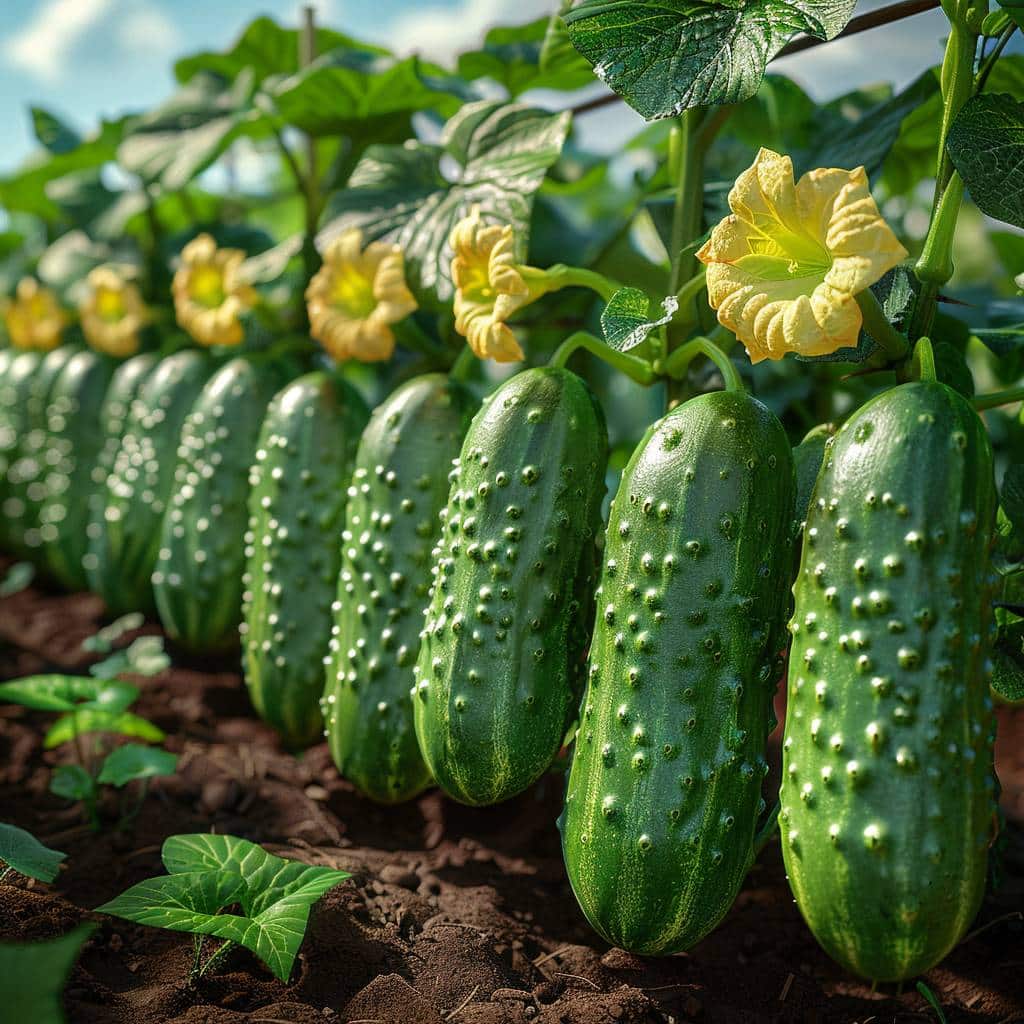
(452, 914)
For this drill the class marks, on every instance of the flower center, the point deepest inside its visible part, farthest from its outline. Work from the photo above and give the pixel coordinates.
(477, 287)
(785, 255)
(352, 293)
(206, 284)
(110, 305)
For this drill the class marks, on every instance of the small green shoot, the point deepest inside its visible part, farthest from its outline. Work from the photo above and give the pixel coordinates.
(929, 998)
(18, 577)
(211, 873)
(20, 851)
(103, 641)
(32, 976)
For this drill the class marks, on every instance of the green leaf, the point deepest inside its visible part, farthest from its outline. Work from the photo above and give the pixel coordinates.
(143, 657)
(666, 56)
(18, 577)
(23, 852)
(1011, 494)
(399, 193)
(211, 872)
(986, 145)
(626, 321)
(182, 137)
(103, 641)
(32, 976)
(536, 55)
(263, 49)
(86, 720)
(134, 761)
(66, 693)
(1001, 341)
(54, 134)
(72, 782)
(1015, 10)
(363, 95)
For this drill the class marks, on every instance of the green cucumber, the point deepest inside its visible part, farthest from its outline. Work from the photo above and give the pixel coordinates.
(122, 391)
(808, 456)
(36, 456)
(399, 487)
(14, 387)
(887, 794)
(664, 792)
(76, 436)
(296, 508)
(197, 580)
(126, 541)
(500, 660)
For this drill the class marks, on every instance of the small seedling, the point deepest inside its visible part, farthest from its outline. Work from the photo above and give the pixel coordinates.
(18, 577)
(32, 976)
(20, 851)
(210, 874)
(929, 998)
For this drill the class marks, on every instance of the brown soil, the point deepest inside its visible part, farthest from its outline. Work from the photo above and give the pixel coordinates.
(452, 913)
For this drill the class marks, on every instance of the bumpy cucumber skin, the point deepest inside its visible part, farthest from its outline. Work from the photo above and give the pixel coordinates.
(296, 508)
(122, 391)
(399, 487)
(36, 457)
(74, 418)
(14, 389)
(664, 792)
(500, 660)
(127, 541)
(197, 580)
(887, 798)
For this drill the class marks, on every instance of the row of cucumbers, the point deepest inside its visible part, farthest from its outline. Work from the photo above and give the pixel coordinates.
(459, 557)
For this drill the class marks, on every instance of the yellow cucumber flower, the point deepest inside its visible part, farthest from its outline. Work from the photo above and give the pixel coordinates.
(355, 297)
(209, 297)
(33, 318)
(785, 266)
(113, 313)
(489, 287)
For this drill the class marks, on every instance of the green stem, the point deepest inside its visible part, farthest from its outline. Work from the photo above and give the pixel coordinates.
(4, 874)
(678, 362)
(633, 367)
(767, 829)
(463, 365)
(935, 266)
(563, 276)
(692, 289)
(412, 336)
(894, 344)
(218, 956)
(996, 398)
(990, 61)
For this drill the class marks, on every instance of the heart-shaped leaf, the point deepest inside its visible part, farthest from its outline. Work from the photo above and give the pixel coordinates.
(666, 56)
(66, 693)
(500, 154)
(23, 852)
(32, 976)
(986, 145)
(626, 321)
(211, 872)
(72, 782)
(86, 720)
(134, 761)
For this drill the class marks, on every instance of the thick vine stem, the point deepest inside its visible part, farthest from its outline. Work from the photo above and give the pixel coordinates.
(894, 344)
(994, 399)
(678, 362)
(563, 276)
(636, 369)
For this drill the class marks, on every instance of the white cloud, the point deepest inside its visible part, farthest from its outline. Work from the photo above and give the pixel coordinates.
(145, 29)
(43, 44)
(441, 32)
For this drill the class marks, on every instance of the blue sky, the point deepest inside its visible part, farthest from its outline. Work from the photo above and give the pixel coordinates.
(83, 58)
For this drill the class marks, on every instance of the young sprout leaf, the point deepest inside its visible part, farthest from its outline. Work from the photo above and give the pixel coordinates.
(135, 761)
(69, 693)
(87, 720)
(103, 641)
(72, 782)
(143, 657)
(211, 872)
(18, 577)
(23, 852)
(32, 977)
(626, 320)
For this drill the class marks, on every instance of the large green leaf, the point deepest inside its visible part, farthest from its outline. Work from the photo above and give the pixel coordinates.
(68, 693)
(211, 872)
(84, 721)
(986, 144)
(263, 49)
(32, 976)
(529, 56)
(23, 852)
(665, 56)
(501, 154)
(182, 137)
(366, 95)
